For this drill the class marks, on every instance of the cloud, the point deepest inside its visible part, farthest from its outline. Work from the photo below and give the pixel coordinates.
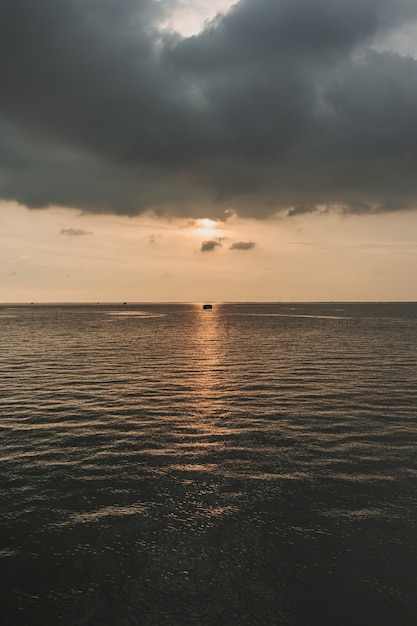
(302, 210)
(242, 245)
(75, 232)
(209, 246)
(274, 106)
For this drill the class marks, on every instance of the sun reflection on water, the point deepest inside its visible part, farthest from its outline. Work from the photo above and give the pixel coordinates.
(208, 343)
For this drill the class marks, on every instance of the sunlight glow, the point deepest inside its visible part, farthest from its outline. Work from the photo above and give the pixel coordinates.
(206, 226)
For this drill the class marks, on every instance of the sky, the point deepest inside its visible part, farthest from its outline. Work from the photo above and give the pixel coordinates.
(196, 150)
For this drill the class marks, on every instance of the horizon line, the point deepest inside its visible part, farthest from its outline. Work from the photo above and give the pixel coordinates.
(214, 302)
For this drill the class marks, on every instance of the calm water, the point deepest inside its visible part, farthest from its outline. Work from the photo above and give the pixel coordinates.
(249, 465)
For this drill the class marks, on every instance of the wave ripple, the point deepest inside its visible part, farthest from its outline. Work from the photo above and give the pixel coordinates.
(253, 464)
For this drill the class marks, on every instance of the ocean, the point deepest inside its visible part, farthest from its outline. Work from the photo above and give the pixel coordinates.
(162, 464)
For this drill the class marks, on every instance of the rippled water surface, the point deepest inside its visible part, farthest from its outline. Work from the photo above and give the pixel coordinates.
(249, 465)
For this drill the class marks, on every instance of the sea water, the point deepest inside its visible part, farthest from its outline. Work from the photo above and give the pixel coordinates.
(254, 464)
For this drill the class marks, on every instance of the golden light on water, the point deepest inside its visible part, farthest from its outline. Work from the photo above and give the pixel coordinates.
(208, 341)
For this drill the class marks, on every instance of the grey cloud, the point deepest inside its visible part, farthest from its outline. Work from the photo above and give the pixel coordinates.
(302, 210)
(209, 246)
(275, 106)
(242, 245)
(350, 207)
(75, 232)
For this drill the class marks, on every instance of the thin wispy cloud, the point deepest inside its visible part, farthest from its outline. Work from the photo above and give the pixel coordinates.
(75, 232)
(242, 245)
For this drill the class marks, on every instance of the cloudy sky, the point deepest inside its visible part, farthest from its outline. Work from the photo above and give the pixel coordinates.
(192, 150)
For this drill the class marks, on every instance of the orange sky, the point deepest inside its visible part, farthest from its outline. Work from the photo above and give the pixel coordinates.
(63, 255)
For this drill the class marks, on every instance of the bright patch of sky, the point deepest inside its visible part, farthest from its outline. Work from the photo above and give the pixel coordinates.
(403, 41)
(189, 16)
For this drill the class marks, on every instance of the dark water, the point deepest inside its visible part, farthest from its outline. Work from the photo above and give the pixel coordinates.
(165, 465)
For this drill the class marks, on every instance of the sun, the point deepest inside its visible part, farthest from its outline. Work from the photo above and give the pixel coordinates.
(206, 226)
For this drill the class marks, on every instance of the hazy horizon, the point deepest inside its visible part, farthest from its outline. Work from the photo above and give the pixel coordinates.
(193, 302)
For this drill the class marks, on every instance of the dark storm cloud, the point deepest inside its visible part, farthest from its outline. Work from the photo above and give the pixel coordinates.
(276, 105)
(242, 245)
(209, 246)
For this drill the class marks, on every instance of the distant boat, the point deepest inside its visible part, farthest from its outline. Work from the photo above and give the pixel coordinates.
(207, 307)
